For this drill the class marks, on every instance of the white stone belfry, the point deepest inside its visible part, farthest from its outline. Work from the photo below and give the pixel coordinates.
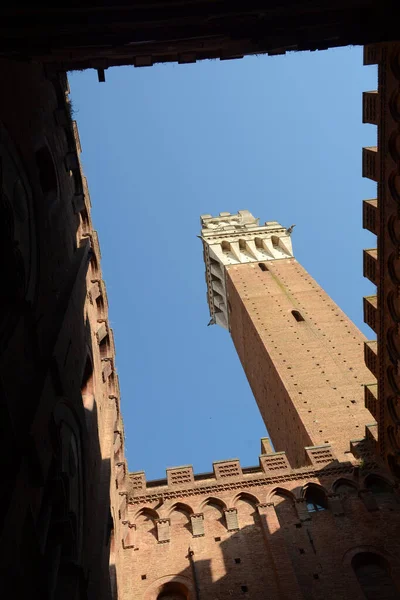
(237, 239)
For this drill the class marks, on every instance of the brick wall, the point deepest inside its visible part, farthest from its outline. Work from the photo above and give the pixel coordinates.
(306, 367)
(59, 396)
(259, 535)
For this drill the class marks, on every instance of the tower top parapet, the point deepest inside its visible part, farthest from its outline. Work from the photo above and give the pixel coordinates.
(231, 239)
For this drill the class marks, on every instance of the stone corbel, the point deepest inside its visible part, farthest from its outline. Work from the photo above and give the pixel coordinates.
(231, 518)
(163, 530)
(197, 521)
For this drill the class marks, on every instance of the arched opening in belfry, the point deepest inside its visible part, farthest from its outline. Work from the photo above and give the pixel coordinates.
(275, 241)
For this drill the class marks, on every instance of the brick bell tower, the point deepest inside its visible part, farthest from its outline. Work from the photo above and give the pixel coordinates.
(302, 355)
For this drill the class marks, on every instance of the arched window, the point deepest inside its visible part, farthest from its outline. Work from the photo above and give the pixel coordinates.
(214, 518)
(180, 520)
(382, 491)
(377, 485)
(372, 572)
(173, 591)
(345, 488)
(247, 513)
(225, 246)
(316, 499)
(146, 529)
(285, 508)
(275, 241)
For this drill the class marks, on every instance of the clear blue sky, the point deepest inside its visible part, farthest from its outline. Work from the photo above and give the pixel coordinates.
(279, 136)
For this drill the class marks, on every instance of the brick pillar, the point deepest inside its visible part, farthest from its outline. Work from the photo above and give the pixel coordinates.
(283, 567)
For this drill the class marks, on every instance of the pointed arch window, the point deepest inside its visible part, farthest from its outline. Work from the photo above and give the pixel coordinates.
(377, 485)
(345, 488)
(316, 499)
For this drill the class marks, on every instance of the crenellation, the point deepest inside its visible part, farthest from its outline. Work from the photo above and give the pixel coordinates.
(180, 476)
(274, 462)
(226, 469)
(320, 455)
(228, 474)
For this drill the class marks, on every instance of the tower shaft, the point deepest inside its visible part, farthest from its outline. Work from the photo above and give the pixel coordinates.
(303, 357)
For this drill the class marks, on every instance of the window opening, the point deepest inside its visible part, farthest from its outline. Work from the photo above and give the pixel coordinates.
(315, 499)
(377, 485)
(263, 267)
(297, 315)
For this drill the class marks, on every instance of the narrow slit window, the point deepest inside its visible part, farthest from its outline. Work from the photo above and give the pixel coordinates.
(263, 267)
(297, 315)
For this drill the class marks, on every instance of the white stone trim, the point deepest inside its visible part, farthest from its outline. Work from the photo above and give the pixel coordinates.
(237, 239)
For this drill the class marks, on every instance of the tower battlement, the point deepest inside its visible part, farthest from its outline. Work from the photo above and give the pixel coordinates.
(232, 239)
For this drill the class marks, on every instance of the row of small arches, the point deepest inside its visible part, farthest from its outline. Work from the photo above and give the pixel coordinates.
(315, 495)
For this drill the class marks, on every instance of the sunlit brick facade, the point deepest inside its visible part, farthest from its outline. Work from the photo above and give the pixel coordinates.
(315, 518)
